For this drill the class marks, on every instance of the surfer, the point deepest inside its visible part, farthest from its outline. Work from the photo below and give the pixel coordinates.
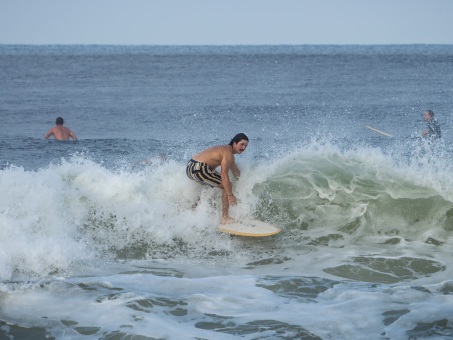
(60, 132)
(202, 169)
(433, 128)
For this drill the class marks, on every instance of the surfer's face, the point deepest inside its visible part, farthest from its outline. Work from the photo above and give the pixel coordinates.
(427, 116)
(240, 147)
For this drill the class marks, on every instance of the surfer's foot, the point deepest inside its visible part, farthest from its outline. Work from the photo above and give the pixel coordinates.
(228, 220)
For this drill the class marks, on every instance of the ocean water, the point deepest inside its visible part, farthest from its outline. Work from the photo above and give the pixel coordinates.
(101, 238)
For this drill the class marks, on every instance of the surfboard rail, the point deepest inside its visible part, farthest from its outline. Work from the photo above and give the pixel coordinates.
(251, 228)
(378, 131)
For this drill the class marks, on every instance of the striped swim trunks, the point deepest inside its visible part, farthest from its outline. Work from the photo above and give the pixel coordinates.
(201, 173)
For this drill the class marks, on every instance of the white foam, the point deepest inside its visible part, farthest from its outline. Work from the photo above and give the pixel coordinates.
(78, 210)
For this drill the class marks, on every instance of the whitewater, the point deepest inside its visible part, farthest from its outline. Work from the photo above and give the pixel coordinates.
(106, 237)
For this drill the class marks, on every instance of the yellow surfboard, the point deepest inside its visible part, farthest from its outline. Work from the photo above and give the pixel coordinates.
(253, 228)
(379, 131)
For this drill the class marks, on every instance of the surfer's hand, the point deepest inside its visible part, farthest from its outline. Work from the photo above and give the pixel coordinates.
(232, 199)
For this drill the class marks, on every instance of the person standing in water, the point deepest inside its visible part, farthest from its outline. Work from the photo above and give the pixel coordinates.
(433, 128)
(202, 169)
(60, 132)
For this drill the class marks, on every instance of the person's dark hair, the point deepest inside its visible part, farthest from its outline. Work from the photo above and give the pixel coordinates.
(236, 139)
(59, 121)
(431, 113)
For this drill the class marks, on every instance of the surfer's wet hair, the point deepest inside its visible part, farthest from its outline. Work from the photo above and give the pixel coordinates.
(430, 112)
(59, 121)
(236, 139)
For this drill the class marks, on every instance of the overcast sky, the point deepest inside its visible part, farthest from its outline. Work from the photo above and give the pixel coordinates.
(226, 22)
